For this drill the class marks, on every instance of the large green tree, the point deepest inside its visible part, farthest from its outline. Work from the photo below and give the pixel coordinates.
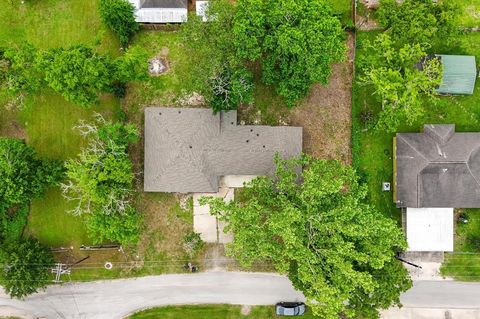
(23, 174)
(77, 73)
(419, 21)
(339, 251)
(101, 179)
(404, 79)
(25, 267)
(119, 16)
(216, 71)
(293, 42)
(301, 41)
(121, 228)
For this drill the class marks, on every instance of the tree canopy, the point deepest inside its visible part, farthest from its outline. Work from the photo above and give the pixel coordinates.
(403, 78)
(294, 42)
(25, 266)
(300, 41)
(219, 75)
(100, 181)
(339, 251)
(80, 74)
(119, 16)
(24, 175)
(419, 21)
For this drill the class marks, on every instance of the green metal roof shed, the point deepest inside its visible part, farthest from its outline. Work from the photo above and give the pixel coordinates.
(459, 73)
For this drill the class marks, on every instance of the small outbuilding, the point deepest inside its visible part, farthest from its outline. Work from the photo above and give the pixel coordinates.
(459, 74)
(161, 11)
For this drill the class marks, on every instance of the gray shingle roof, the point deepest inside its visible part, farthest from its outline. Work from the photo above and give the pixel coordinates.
(438, 168)
(188, 149)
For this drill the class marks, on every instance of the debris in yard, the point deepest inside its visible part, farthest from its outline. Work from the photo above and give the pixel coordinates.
(194, 99)
(108, 265)
(371, 4)
(245, 310)
(158, 66)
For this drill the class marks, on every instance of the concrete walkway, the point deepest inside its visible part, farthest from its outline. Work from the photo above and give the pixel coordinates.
(209, 227)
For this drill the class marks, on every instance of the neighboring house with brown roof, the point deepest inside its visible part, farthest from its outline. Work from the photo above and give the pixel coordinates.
(436, 171)
(187, 150)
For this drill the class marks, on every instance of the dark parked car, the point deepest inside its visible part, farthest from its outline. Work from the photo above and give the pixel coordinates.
(290, 309)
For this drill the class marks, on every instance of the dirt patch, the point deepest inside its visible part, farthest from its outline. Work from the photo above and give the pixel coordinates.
(215, 258)
(325, 114)
(9, 126)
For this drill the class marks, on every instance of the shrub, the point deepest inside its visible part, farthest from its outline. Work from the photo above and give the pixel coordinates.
(23, 174)
(192, 243)
(119, 16)
(122, 228)
(26, 267)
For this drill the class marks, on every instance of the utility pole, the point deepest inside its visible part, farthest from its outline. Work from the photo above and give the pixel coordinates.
(59, 270)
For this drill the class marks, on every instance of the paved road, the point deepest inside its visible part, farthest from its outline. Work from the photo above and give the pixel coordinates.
(118, 298)
(443, 294)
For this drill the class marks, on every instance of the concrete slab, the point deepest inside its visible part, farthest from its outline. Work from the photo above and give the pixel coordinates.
(235, 181)
(210, 229)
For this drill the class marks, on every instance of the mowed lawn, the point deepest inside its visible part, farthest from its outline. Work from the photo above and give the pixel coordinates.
(47, 119)
(210, 312)
(55, 23)
(464, 263)
(372, 150)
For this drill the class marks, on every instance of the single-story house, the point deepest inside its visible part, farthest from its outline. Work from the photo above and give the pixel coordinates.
(459, 74)
(192, 150)
(161, 11)
(187, 150)
(435, 171)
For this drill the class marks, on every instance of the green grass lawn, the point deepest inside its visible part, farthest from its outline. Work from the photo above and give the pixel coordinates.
(464, 263)
(55, 23)
(343, 9)
(49, 120)
(470, 12)
(209, 312)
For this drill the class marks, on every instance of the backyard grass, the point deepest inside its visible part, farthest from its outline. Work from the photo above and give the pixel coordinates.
(55, 23)
(210, 312)
(343, 9)
(470, 12)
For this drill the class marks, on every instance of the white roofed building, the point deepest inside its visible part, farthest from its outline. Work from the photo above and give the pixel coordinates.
(161, 11)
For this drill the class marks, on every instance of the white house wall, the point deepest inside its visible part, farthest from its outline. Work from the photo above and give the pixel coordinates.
(162, 15)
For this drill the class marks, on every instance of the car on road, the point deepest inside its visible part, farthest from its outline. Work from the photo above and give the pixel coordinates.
(290, 309)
